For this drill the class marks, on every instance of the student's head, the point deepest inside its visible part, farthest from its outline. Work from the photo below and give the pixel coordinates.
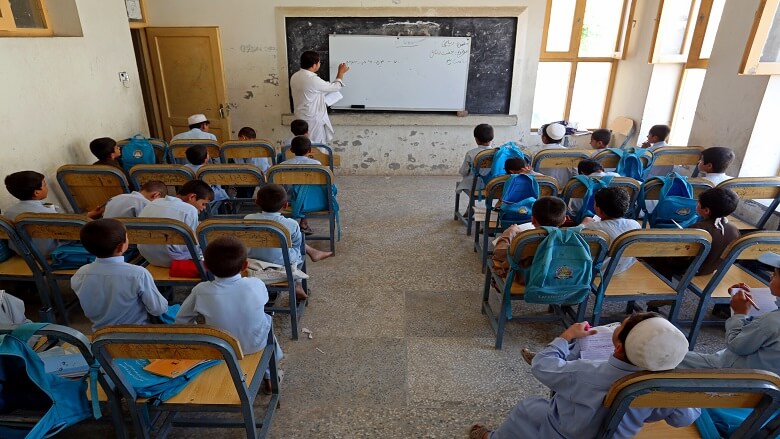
(548, 211)
(717, 203)
(309, 60)
(198, 121)
(716, 159)
(658, 133)
(552, 133)
(247, 133)
(300, 145)
(600, 138)
(104, 237)
(611, 202)
(589, 166)
(773, 260)
(27, 185)
(516, 165)
(483, 134)
(271, 198)
(197, 154)
(299, 127)
(649, 342)
(153, 189)
(104, 148)
(197, 193)
(225, 256)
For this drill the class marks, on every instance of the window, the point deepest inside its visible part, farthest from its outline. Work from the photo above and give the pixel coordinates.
(582, 43)
(762, 54)
(24, 18)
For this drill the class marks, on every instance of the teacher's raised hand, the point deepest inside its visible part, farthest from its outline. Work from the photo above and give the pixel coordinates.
(343, 68)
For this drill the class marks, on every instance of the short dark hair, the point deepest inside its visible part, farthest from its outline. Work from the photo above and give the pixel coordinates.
(196, 154)
(660, 131)
(589, 166)
(720, 201)
(199, 125)
(155, 186)
(23, 184)
(225, 256)
(613, 201)
(200, 188)
(300, 145)
(515, 164)
(720, 157)
(483, 133)
(602, 135)
(102, 147)
(631, 322)
(549, 211)
(309, 58)
(271, 198)
(299, 127)
(101, 237)
(248, 132)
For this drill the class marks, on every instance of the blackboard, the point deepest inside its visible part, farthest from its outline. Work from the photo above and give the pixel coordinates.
(492, 48)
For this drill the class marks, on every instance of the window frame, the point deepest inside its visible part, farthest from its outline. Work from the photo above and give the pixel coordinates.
(138, 24)
(762, 25)
(8, 24)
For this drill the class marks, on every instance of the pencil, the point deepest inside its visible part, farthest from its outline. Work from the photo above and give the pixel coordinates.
(752, 303)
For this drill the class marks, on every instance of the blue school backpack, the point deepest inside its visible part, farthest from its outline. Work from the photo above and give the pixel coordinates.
(517, 199)
(72, 255)
(562, 268)
(630, 164)
(313, 198)
(592, 185)
(138, 151)
(503, 153)
(25, 385)
(155, 387)
(675, 203)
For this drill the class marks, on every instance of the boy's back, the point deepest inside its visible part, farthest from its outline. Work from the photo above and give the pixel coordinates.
(45, 246)
(125, 205)
(614, 228)
(274, 255)
(301, 160)
(173, 208)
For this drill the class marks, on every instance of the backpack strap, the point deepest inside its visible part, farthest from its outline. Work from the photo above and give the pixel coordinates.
(26, 330)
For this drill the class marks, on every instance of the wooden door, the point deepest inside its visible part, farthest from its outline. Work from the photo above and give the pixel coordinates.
(189, 78)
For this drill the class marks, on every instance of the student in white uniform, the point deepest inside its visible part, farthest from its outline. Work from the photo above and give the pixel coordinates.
(483, 137)
(111, 291)
(714, 162)
(308, 93)
(300, 146)
(656, 138)
(611, 203)
(591, 168)
(600, 138)
(552, 135)
(199, 129)
(197, 156)
(130, 205)
(193, 197)
(247, 134)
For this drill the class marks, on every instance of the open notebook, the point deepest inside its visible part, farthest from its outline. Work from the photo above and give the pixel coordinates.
(598, 346)
(763, 298)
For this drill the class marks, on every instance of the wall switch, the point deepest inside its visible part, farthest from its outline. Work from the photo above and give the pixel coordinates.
(124, 77)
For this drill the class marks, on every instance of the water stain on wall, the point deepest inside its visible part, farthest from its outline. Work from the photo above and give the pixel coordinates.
(394, 166)
(273, 79)
(249, 95)
(411, 158)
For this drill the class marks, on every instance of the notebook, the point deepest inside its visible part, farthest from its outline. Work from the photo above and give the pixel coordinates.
(599, 346)
(763, 298)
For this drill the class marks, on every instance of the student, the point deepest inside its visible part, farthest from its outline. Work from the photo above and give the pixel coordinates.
(30, 188)
(271, 199)
(130, 205)
(298, 127)
(246, 134)
(199, 129)
(300, 146)
(518, 165)
(552, 135)
(576, 409)
(714, 162)
(600, 138)
(592, 168)
(192, 198)
(111, 291)
(197, 156)
(656, 138)
(106, 150)
(611, 203)
(483, 136)
(546, 211)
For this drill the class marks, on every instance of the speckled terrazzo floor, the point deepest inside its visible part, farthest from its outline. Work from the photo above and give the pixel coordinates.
(400, 348)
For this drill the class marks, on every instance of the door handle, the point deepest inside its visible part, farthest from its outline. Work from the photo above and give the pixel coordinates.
(221, 111)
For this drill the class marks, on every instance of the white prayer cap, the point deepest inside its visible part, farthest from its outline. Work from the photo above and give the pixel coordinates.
(555, 131)
(656, 344)
(196, 118)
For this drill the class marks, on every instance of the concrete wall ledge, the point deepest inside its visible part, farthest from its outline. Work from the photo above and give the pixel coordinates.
(409, 119)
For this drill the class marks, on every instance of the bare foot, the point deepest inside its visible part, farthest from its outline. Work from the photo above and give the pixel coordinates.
(300, 295)
(478, 431)
(317, 255)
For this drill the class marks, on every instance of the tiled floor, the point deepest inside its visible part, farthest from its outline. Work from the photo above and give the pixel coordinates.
(400, 348)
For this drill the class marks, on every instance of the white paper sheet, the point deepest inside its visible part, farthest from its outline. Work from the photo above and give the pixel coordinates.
(333, 97)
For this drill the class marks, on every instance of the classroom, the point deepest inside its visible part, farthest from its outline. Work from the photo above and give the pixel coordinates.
(401, 325)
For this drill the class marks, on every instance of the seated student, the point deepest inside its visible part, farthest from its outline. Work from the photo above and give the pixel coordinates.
(111, 291)
(107, 151)
(546, 211)
(600, 138)
(248, 133)
(271, 199)
(130, 205)
(197, 156)
(300, 146)
(576, 409)
(552, 135)
(199, 129)
(298, 127)
(656, 138)
(590, 168)
(192, 198)
(714, 162)
(518, 165)
(611, 203)
(483, 137)
(30, 188)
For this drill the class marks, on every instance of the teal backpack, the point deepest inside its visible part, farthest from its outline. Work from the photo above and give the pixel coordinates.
(25, 385)
(630, 164)
(138, 151)
(675, 203)
(155, 387)
(71, 255)
(503, 153)
(517, 199)
(562, 268)
(592, 185)
(313, 198)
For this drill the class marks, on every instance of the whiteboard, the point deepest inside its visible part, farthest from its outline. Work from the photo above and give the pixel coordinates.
(402, 73)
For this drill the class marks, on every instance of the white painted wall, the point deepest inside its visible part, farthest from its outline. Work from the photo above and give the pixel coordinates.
(59, 93)
(762, 158)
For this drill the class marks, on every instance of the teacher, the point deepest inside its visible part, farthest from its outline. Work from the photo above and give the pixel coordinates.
(308, 93)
